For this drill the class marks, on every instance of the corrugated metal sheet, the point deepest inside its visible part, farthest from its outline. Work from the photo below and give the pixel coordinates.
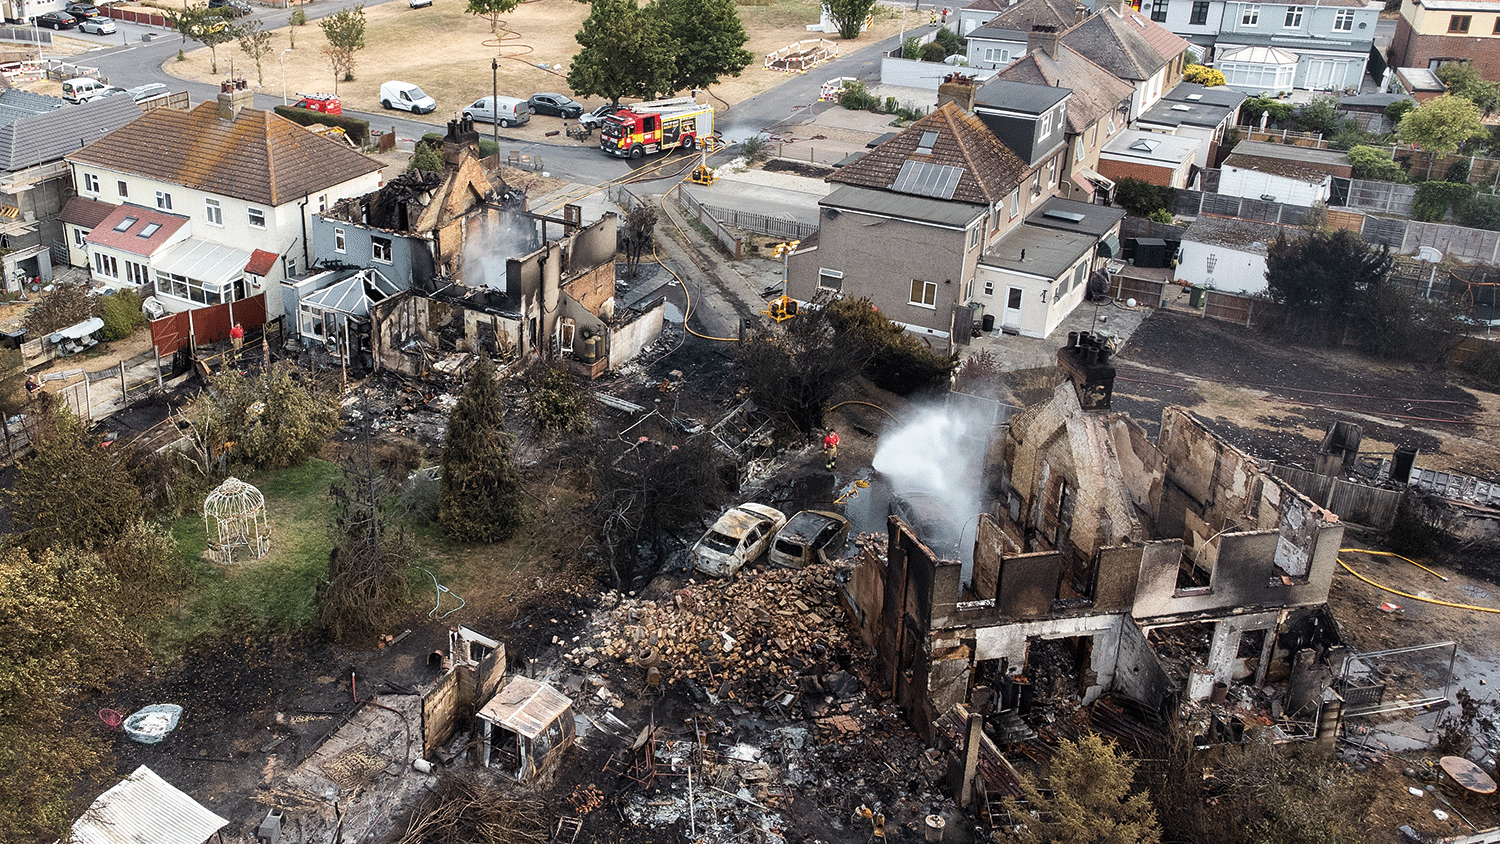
(143, 807)
(525, 706)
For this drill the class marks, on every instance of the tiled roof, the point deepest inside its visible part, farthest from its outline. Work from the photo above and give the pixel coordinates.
(990, 171)
(49, 133)
(113, 232)
(1031, 13)
(1133, 47)
(85, 212)
(258, 157)
(1234, 233)
(1096, 91)
(261, 262)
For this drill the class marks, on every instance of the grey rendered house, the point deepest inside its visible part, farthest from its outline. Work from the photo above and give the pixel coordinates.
(907, 223)
(1003, 37)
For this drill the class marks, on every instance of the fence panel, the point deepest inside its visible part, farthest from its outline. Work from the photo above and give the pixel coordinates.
(25, 35)
(1145, 291)
(1228, 307)
(1187, 203)
(1381, 197)
(1385, 230)
(1465, 244)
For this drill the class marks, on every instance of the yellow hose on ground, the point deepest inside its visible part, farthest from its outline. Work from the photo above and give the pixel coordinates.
(1408, 595)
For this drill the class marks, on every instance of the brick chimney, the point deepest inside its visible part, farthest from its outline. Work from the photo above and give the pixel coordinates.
(1080, 13)
(461, 136)
(1043, 38)
(1086, 360)
(958, 88)
(234, 95)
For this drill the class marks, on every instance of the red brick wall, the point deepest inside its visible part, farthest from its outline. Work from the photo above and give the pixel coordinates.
(1117, 170)
(1408, 49)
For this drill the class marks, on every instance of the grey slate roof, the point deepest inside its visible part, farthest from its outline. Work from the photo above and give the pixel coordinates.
(1192, 92)
(1180, 111)
(1096, 91)
(904, 206)
(48, 134)
(1024, 97)
(1122, 47)
(1021, 17)
(1295, 44)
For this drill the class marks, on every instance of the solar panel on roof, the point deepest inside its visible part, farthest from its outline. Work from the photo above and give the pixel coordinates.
(924, 179)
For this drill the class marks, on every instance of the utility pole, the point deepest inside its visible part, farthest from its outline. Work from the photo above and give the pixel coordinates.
(495, 107)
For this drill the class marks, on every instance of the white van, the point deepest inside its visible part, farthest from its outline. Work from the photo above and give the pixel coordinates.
(405, 96)
(507, 111)
(82, 89)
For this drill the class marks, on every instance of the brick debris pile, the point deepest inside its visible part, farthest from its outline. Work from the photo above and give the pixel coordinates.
(746, 640)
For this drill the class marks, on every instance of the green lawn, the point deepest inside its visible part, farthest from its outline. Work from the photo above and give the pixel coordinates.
(267, 595)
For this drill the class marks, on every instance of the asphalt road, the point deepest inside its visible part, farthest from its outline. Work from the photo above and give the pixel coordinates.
(129, 61)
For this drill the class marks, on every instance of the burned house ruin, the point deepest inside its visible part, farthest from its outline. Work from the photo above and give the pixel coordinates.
(1149, 576)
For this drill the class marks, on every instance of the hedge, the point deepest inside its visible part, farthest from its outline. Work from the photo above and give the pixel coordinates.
(357, 130)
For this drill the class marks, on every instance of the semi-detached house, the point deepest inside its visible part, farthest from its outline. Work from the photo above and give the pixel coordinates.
(212, 204)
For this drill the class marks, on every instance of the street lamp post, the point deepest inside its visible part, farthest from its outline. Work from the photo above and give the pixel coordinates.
(495, 107)
(282, 59)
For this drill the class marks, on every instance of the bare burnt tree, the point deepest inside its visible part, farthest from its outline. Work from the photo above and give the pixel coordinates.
(639, 225)
(371, 557)
(650, 500)
(794, 370)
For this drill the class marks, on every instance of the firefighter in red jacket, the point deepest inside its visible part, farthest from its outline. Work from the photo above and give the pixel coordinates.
(831, 448)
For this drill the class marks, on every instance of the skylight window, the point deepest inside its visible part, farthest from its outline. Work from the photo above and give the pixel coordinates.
(924, 146)
(150, 229)
(1145, 145)
(1194, 97)
(125, 224)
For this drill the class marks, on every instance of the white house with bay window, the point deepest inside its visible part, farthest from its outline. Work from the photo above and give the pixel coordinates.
(201, 193)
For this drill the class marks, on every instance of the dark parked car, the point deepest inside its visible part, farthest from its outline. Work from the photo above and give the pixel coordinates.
(556, 105)
(57, 20)
(82, 11)
(928, 515)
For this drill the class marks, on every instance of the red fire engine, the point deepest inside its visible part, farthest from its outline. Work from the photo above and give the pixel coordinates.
(326, 103)
(636, 130)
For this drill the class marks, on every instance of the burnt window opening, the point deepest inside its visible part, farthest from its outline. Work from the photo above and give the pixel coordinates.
(1192, 576)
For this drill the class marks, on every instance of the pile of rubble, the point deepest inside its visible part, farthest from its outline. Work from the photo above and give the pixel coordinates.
(745, 640)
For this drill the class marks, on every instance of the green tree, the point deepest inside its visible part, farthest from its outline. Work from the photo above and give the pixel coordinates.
(60, 307)
(491, 10)
(255, 42)
(1464, 81)
(1140, 198)
(849, 15)
(1375, 163)
(1321, 116)
(626, 51)
(894, 358)
(480, 498)
(710, 40)
(345, 31)
(1203, 75)
(556, 403)
(61, 638)
(425, 159)
(1442, 124)
(1320, 277)
(71, 491)
(207, 26)
(367, 585)
(267, 421)
(1088, 798)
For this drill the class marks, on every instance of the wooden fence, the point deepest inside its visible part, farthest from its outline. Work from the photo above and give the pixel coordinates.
(1146, 292)
(1249, 311)
(1353, 502)
(135, 14)
(206, 325)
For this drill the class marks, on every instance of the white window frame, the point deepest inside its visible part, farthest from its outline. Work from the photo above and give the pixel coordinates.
(90, 183)
(137, 274)
(1250, 14)
(974, 234)
(214, 212)
(1293, 18)
(106, 265)
(322, 202)
(122, 188)
(78, 236)
(997, 55)
(379, 245)
(1343, 20)
(339, 241)
(192, 289)
(1015, 203)
(834, 279)
(989, 288)
(164, 200)
(256, 216)
(929, 292)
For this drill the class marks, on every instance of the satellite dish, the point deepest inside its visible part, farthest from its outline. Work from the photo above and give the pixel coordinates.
(1429, 255)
